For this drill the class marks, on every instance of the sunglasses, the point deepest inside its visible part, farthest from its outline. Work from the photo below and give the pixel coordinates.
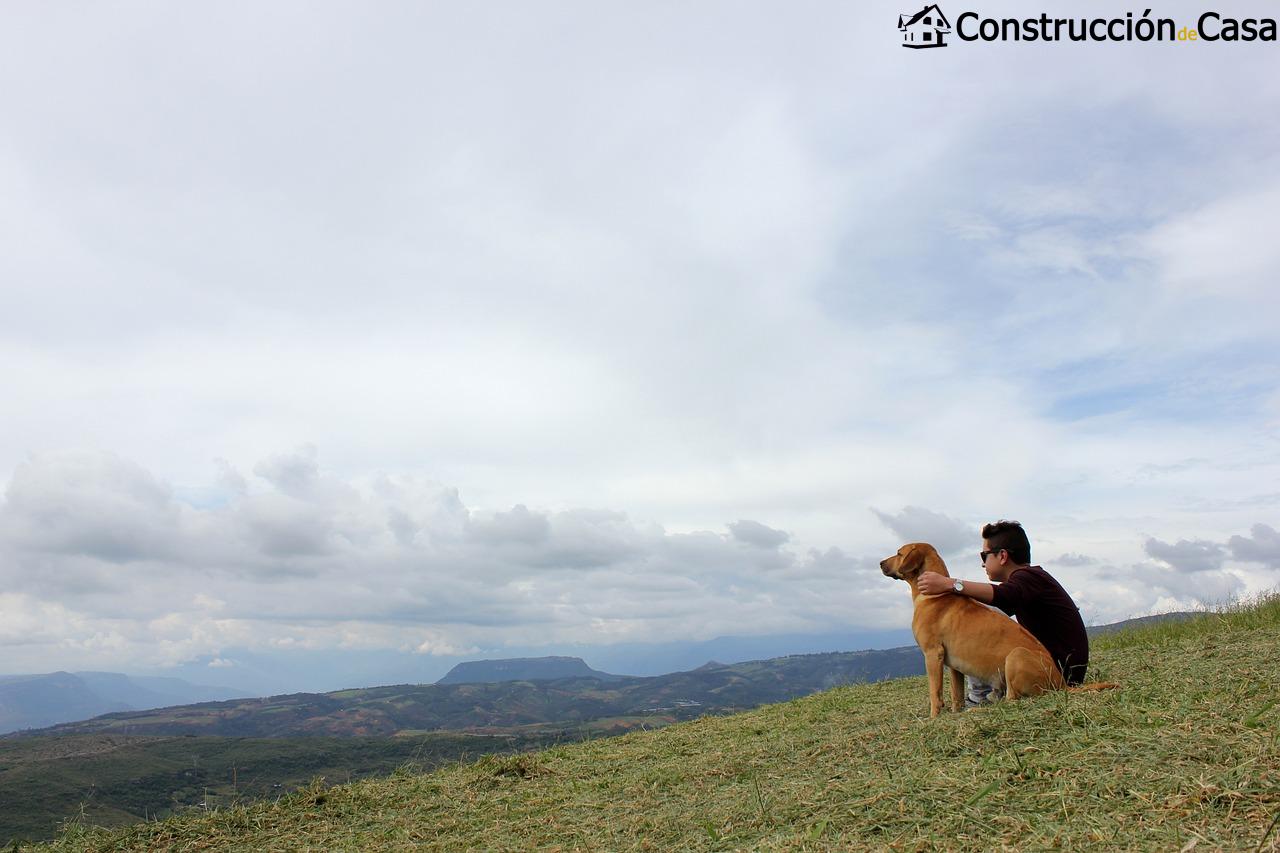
(982, 555)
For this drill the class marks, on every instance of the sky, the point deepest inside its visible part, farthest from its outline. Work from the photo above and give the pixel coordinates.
(343, 342)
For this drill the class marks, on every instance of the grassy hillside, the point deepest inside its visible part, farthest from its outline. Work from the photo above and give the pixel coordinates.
(1186, 756)
(122, 768)
(111, 780)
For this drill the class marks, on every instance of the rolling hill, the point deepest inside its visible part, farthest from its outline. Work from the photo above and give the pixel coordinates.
(1185, 756)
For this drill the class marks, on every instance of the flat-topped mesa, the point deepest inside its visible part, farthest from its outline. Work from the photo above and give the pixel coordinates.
(522, 669)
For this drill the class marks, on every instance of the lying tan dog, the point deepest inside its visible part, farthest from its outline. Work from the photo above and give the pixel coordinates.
(972, 639)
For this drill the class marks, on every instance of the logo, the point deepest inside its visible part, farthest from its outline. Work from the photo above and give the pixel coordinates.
(926, 28)
(930, 28)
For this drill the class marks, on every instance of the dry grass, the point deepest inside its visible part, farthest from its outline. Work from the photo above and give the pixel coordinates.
(1185, 757)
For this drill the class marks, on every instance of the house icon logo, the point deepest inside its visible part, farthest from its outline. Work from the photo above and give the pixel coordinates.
(926, 28)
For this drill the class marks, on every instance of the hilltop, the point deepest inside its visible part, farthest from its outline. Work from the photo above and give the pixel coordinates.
(1185, 756)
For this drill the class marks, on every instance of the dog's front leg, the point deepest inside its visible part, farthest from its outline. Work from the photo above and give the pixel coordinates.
(957, 690)
(933, 666)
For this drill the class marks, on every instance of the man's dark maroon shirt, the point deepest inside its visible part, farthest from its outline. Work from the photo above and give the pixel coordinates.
(1043, 607)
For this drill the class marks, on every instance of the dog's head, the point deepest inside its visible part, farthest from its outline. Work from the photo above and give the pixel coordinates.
(911, 560)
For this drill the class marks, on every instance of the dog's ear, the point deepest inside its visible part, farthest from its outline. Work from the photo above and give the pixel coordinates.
(933, 562)
(913, 557)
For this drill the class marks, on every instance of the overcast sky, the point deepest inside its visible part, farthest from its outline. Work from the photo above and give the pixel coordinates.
(437, 329)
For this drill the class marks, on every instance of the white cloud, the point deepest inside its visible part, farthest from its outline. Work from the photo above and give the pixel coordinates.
(917, 524)
(336, 570)
(1225, 247)
(294, 474)
(1213, 588)
(1263, 546)
(588, 258)
(1192, 571)
(757, 534)
(516, 526)
(1188, 557)
(96, 505)
(464, 580)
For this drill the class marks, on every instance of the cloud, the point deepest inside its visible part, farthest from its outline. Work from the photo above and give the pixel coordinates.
(1222, 248)
(1204, 587)
(1262, 547)
(294, 474)
(281, 525)
(517, 525)
(93, 505)
(305, 560)
(917, 524)
(438, 648)
(757, 534)
(1074, 560)
(1186, 556)
(1196, 570)
(229, 479)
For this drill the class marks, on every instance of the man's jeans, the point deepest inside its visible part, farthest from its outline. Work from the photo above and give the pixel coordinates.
(979, 693)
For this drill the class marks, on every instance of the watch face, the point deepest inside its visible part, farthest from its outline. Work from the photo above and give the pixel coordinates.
(959, 585)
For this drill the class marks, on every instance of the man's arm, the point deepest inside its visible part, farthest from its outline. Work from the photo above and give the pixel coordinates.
(932, 583)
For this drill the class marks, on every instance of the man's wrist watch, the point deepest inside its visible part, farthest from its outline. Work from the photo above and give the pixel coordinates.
(958, 586)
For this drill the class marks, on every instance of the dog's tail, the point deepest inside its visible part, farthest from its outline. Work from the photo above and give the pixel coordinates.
(1094, 685)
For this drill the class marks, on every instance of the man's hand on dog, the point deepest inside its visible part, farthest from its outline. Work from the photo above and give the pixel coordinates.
(932, 583)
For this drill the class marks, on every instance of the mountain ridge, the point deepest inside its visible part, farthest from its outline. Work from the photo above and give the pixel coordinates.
(565, 704)
(39, 700)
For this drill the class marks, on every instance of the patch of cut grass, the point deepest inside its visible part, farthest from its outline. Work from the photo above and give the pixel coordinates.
(1185, 756)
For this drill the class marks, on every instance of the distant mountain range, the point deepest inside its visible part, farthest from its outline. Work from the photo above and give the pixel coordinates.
(572, 704)
(36, 701)
(475, 695)
(522, 669)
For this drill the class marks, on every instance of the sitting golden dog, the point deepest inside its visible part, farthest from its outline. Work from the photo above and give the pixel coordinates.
(971, 639)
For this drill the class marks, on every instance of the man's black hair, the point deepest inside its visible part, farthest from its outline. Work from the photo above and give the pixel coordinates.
(1008, 536)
